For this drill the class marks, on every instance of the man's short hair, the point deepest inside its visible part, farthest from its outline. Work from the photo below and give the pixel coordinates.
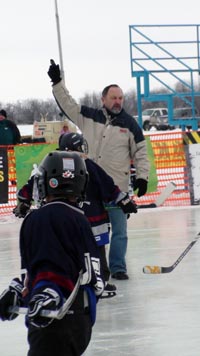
(106, 89)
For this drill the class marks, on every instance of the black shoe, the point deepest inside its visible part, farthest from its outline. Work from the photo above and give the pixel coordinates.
(120, 275)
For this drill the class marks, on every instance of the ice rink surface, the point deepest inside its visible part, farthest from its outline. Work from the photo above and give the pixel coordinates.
(152, 315)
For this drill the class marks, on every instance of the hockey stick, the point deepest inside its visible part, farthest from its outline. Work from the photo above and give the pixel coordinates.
(164, 195)
(52, 314)
(158, 269)
(166, 192)
(55, 314)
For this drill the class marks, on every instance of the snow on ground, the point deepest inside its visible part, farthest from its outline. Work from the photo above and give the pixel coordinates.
(28, 130)
(25, 129)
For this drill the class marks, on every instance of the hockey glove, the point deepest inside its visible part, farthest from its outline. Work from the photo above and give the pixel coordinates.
(127, 204)
(22, 209)
(141, 185)
(11, 297)
(54, 72)
(43, 298)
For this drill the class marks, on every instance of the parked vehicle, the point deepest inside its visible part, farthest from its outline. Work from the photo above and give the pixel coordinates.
(160, 123)
(185, 112)
(151, 116)
(158, 117)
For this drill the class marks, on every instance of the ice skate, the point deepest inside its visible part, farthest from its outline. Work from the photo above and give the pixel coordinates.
(110, 291)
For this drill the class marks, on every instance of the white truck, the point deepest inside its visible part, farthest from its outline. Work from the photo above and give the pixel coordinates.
(157, 117)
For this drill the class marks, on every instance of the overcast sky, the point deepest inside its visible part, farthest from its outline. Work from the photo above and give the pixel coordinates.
(95, 42)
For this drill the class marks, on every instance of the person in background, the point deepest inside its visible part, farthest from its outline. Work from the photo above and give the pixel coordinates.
(9, 132)
(114, 139)
(65, 129)
(62, 262)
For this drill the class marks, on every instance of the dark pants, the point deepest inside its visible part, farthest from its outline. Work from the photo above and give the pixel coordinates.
(104, 263)
(69, 336)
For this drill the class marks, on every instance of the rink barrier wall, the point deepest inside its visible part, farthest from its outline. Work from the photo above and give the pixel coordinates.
(8, 179)
(171, 158)
(171, 166)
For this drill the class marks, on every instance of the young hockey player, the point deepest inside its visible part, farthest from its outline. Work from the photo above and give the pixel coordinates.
(100, 189)
(59, 252)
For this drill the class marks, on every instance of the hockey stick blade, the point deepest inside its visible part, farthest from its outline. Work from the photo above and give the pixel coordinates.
(158, 269)
(167, 191)
(164, 195)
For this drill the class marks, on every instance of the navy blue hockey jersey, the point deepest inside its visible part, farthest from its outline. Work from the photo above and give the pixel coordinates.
(53, 243)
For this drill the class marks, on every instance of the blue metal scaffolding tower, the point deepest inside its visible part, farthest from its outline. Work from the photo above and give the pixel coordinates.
(169, 56)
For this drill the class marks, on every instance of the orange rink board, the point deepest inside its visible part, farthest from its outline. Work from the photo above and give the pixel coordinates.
(7, 208)
(171, 166)
(170, 162)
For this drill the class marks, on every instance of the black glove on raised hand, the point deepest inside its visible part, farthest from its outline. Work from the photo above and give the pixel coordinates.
(141, 185)
(54, 72)
(127, 205)
(22, 209)
(43, 298)
(11, 297)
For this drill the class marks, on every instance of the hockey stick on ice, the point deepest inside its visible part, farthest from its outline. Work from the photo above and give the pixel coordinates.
(55, 314)
(166, 192)
(158, 269)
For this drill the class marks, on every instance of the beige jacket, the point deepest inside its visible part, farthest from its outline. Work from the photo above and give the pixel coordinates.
(112, 142)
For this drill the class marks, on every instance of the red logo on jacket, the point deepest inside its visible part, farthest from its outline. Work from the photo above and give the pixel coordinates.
(123, 130)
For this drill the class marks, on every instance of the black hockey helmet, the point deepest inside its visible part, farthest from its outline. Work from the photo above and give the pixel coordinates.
(73, 141)
(63, 174)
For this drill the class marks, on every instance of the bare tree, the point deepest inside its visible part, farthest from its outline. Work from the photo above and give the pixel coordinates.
(28, 111)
